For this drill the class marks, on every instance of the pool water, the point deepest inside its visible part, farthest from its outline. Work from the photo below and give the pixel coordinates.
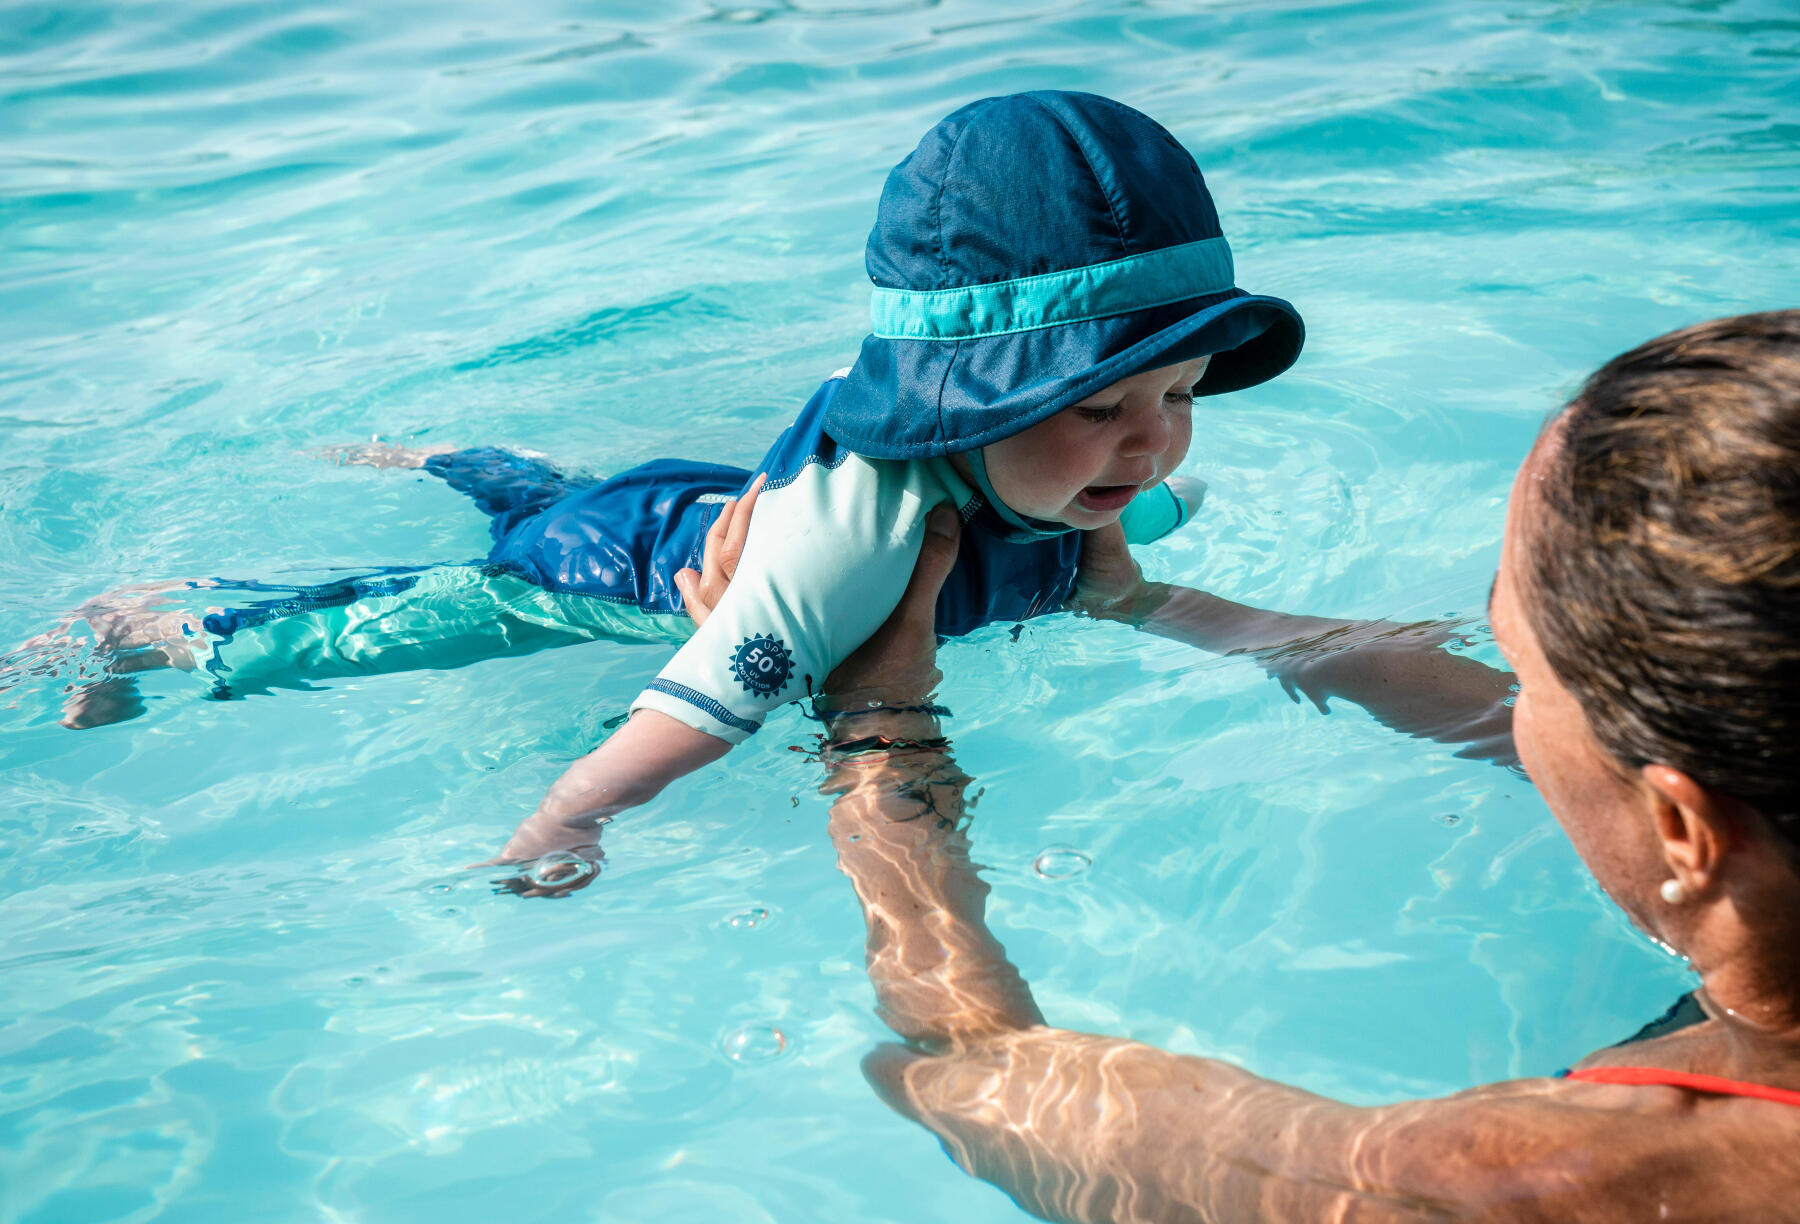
(244, 972)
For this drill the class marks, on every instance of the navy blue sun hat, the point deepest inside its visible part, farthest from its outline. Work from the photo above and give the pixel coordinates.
(1033, 249)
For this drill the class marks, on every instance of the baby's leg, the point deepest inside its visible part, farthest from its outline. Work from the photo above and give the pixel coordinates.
(277, 636)
(508, 486)
(379, 454)
(424, 620)
(101, 703)
(134, 630)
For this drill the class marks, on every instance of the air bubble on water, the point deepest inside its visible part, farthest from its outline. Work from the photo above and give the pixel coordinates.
(755, 1043)
(560, 868)
(1060, 862)
(1450, 819)
(358, 980)
(439, 889)
(750, 919)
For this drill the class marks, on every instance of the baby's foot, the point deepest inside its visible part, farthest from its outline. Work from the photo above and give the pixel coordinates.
(56, 653)
(133, 631)
(100, 703)
(136, 627)
(377, 454)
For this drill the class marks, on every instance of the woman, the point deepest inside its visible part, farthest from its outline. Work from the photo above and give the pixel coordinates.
(1649, 598)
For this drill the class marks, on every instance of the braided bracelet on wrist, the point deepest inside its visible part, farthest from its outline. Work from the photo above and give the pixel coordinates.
(870, 745)
(819, 713)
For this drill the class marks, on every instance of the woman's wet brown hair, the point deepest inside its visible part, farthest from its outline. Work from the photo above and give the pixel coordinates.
(1665, 567)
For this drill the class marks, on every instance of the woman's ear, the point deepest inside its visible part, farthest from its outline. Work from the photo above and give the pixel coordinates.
(1695, 825)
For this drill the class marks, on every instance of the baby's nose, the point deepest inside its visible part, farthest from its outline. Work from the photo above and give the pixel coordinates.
(1151, 436)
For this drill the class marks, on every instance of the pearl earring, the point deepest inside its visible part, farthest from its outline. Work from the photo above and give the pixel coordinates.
(1674, 891)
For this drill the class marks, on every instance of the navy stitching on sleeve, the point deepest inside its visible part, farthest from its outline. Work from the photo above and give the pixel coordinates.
(705, 703)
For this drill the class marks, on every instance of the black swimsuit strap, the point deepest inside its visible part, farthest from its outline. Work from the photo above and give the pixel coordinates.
(1685, 1012)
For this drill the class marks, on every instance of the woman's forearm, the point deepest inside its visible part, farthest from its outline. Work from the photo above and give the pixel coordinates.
(1399, 673)
(1090, 1129)
(941, 978)
(1075, 1127)
(1220, 625)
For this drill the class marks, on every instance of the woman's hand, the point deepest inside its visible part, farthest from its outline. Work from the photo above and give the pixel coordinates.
(700, 589)
(897, 664)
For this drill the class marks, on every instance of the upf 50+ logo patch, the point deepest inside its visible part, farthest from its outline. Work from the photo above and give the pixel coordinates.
(762, 665)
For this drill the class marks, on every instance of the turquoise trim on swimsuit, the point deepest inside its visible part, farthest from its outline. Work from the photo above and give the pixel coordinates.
(1181, 507)
(1001, 308)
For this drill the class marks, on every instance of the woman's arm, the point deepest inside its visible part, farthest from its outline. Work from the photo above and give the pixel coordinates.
(1098, 1130)
(1077, 1127)
(1397, 672)
(941, 979)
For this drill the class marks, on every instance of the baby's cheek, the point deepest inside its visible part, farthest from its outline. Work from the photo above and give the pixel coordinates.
(1182, 437)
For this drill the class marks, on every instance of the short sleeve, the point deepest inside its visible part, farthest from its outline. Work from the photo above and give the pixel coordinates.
(828, 556)
(1153, 514)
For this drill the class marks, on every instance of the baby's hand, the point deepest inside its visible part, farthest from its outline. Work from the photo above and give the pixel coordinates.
(1109, 584)
(547, 866)
(552, 875)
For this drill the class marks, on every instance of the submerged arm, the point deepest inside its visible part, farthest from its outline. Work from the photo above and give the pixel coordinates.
(1074, 1127)
(941, 978)
(632, 767)
(1399, 673)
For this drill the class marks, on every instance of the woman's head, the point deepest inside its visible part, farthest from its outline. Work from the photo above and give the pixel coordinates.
(1650, 597)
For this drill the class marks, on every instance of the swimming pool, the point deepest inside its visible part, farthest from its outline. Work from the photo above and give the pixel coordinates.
(245, 975)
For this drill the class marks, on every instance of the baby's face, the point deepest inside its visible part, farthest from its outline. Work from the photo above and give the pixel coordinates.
(1085, 464)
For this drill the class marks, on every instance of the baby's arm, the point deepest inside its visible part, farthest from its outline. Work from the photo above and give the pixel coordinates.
(650, 751)
(828, 560)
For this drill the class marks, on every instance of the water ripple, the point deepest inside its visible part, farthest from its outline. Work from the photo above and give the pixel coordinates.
(233, 231)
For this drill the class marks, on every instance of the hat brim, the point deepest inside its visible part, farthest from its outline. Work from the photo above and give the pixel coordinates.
(913, 399)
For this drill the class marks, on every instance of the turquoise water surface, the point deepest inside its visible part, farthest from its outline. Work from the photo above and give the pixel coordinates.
(243, 971)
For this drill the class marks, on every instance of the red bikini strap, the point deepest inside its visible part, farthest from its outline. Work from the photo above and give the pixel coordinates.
(1655, 1076)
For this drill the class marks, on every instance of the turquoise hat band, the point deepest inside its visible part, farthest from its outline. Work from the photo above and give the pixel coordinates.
(1004, 308)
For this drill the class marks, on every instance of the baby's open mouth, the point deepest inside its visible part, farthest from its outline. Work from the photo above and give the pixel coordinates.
(1106, 497)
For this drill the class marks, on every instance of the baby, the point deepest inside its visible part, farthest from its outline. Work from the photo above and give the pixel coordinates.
(1052, 290)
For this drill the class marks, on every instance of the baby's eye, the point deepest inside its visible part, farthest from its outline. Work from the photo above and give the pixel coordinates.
(1181, 397)
(1099, 415)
